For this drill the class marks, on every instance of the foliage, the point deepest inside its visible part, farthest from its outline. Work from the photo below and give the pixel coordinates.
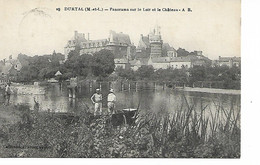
(144, 72)
(186, 132)
(230, 77)
(39, 67)
(45, 67)
(73, 54)
(127, 74)
(182, 52)
(78, 65)
(103, 63)
(218, 76)
(28, 73)
(174, 75)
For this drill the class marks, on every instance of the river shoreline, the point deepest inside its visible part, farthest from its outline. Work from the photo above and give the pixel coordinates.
(211, 90)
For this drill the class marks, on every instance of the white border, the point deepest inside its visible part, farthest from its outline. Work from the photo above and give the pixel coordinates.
(250, 104)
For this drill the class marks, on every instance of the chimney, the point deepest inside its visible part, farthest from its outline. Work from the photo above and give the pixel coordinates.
(88, 36)
(141, 36)
(76, 34)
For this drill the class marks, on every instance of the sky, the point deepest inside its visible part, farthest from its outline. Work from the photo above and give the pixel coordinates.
(213, 26)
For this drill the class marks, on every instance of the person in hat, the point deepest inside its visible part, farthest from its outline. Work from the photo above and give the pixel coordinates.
(7, 93)
(111, 99)
(96, 99)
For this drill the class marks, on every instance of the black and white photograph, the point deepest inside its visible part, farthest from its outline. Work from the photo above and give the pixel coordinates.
(120, 79)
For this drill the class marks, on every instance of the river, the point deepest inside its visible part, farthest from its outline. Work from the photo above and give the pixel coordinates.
(55, 98)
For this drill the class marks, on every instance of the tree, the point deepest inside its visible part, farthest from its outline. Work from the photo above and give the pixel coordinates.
(103, 63)
(125, 73)
(28, 73)
(174, 75)
(73, 54)
(145, 72)
(198, 73)
(182, 52)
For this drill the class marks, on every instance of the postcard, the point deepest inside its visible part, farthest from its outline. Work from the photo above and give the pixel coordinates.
(120, 79)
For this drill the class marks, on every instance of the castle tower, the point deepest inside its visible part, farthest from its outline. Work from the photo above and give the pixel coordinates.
(155, 43)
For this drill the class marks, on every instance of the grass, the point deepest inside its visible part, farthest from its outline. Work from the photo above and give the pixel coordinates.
(187, 132)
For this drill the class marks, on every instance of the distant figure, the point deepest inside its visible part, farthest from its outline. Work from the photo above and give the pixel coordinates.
(111, 100)
(7, 93)
(36, 105)
(96, 99)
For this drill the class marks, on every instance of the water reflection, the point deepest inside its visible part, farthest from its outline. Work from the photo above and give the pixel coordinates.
(56, 99)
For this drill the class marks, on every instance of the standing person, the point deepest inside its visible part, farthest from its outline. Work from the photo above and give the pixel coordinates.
(111, 99)
(7, 93)
(96, 99)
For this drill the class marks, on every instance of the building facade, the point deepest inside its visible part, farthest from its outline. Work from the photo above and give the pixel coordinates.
(156, 42)
(178, 62)
(122, 63)
(228, 61)
(74, 43)
(152, 46)
(118, 43)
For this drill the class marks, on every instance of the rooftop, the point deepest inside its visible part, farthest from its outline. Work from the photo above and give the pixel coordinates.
(226, 59)
(119, 38)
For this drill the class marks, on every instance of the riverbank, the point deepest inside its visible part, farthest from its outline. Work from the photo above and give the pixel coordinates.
(154, 135)
(211, 90)
(9, 115)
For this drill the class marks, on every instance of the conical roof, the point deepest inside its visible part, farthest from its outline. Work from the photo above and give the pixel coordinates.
(58, 73)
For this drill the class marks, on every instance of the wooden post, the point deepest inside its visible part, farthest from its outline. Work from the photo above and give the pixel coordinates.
(109, 85)
(210, 84)
(74, 92)
(90, 85)
(163, 85)
(79, 88)
(70, 92)
(100, 85)
(122, 86)
(136, 86)
(129, 86)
